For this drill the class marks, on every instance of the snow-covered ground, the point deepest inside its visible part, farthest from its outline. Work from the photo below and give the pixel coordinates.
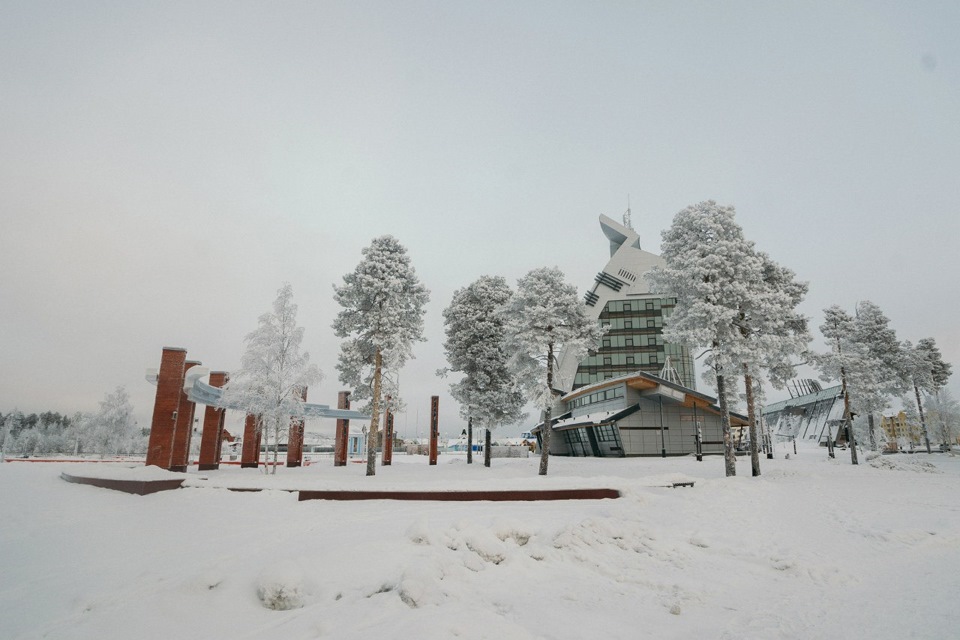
(812, 549)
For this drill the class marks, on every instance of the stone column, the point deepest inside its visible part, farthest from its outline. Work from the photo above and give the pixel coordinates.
(166, 405)
(343, 432)
(212, 437)
(295, 439)
(250, 456)
(180, 454)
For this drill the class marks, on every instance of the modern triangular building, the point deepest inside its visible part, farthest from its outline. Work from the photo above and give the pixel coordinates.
(635, 395)
(620, 299)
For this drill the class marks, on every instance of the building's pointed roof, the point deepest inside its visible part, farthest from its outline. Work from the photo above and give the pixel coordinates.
(618, 234)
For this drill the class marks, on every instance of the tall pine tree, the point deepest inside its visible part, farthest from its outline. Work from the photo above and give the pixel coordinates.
(543, 316)
(488, 393)
(382, 313)
(715, 275)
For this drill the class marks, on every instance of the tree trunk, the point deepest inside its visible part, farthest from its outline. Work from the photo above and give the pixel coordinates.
(873, 436)
(374, 415)
(545, 431)
(847, 419)
(486, 448)
(470, 440)
(276, 445)
(923, 422)
(752, 418)
(729, 456)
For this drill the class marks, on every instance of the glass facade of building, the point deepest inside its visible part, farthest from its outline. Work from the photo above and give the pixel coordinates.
(634, 341)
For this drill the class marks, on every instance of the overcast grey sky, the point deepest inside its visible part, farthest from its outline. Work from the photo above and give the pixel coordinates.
(165, 167)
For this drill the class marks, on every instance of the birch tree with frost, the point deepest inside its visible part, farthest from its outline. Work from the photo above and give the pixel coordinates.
(382, 313)
(273, 372)
(111, 428)
(543, 316)
(489, 395)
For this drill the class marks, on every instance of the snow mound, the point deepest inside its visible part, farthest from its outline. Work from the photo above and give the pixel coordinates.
(918, 466)
(281, 587)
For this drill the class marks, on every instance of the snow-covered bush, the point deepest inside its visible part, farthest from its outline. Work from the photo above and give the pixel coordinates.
(281, 587)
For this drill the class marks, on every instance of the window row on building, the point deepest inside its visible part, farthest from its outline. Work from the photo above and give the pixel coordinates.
(616, 324)
(595, 397)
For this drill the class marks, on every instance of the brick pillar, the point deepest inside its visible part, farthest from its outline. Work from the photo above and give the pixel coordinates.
(295, 439)
(180, 453)
(343, 432)
(169, 390)
(434, 427)
(212, 437)
(387, 435)
(250, 457)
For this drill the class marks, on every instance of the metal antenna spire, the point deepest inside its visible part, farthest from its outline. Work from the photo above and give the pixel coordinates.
(627, 222)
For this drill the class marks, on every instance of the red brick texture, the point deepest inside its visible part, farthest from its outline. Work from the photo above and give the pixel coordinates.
(183, 430)
(212, 437)
(434, 427)
(166, 405)
(343, 432)
(250, 457)
(295, 439)
(387, 437)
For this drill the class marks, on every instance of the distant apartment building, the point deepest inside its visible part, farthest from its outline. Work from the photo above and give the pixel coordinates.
(900, 433)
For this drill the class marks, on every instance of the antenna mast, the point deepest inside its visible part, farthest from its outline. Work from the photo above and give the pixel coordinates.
(627, 222)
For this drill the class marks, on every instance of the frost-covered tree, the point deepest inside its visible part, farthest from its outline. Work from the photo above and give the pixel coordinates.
(382, 313)
(847, 360)
(926, 372)
(774, 336)
(111, 428)
(273, 372)
(871, 329)
(488, 393)
(944, 412)
(715, 275)
(543, 316)
(867, 359)
(8, 430)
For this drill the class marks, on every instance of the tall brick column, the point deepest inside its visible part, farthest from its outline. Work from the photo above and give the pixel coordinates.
(434, 427)
(250, 457)
(343, 432)
(169, 390)
(212, 437)
(387, 435)
(182, 432)
(295, 439)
